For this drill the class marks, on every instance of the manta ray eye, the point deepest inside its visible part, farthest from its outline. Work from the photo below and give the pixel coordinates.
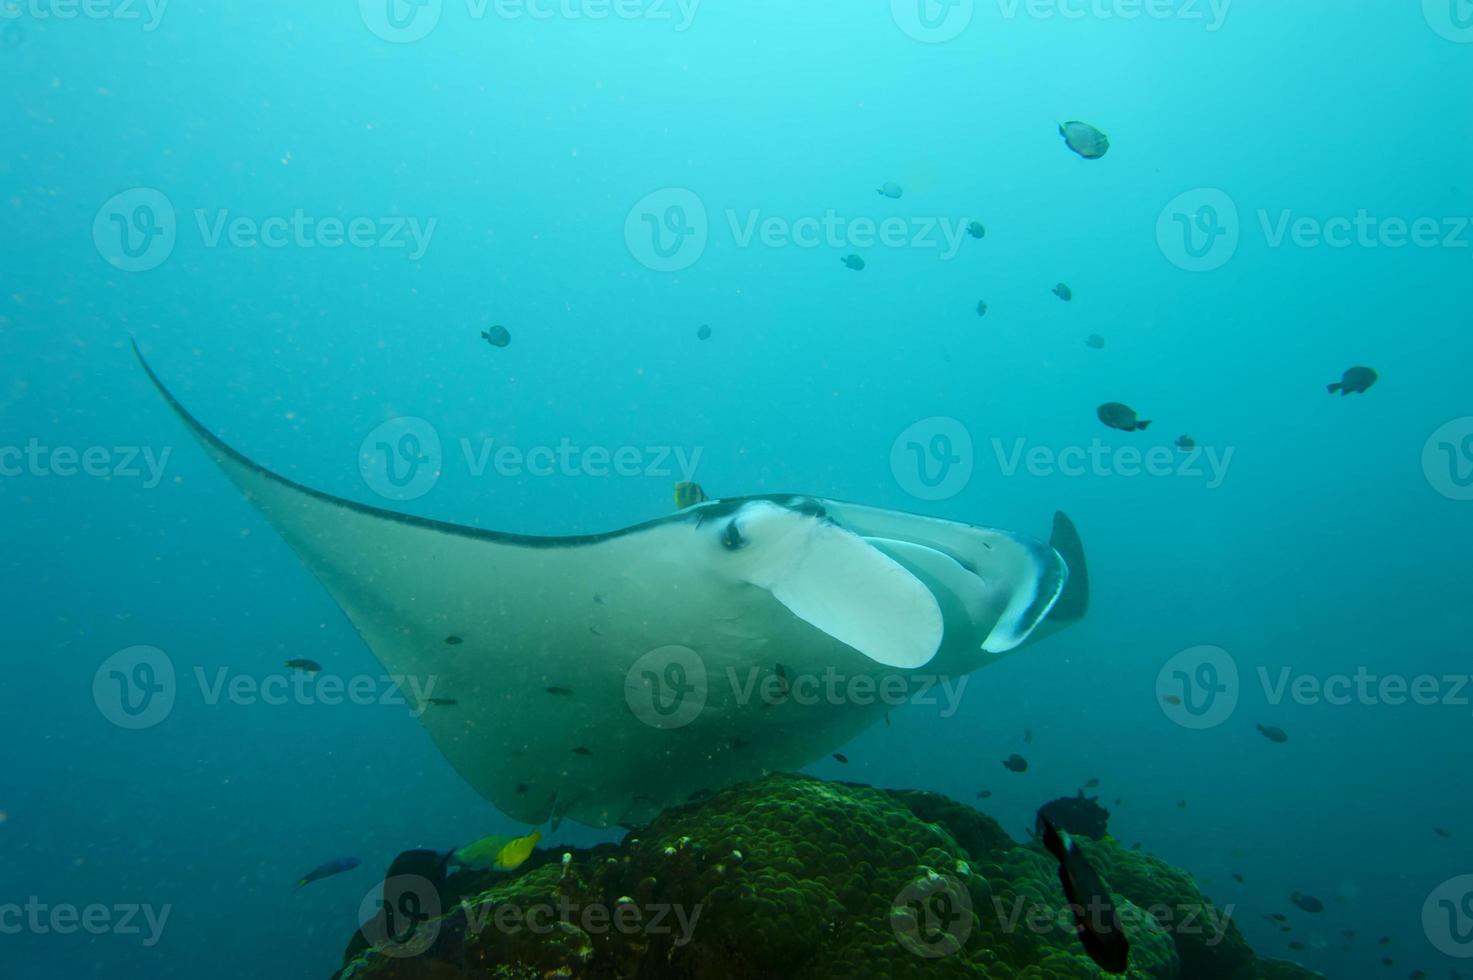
(731, 537)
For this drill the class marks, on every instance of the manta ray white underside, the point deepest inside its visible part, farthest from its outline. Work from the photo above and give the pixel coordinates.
(602, 678)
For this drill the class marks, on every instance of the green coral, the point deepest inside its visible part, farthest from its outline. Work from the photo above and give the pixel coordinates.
(793, 878)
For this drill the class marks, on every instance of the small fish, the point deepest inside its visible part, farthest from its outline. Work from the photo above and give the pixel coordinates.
(1355, 380)
(582, 750)
(1442, 832)
(841, 758)
(327, 869)
(442, 702)
(703, 332)
(1296, 944)
(983, 794)
(1084, 139)
(497, 336)
(497, 852)
(1015, 763)
(1095, 340)
(1181, 804)
(1095, 918)
(1171, 699)
(688, 494)
(1186, 443)
(1093, 782)
(1237, 877)
(1063, 292)
(304, 665)
(853, 262)
(981, 307)
(1277, 917)
(453, 641)
(1273, 733)
(891, 190)
(977, 230)
(1122, 417)
(1027, 736)
(522, 788)
(1307, 902)
(562, 692)
(1384, 941)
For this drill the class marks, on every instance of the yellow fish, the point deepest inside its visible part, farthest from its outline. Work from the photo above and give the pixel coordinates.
(498, 852)
(688, 494)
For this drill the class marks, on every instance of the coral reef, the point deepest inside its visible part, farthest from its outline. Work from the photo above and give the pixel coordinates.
(792, 877)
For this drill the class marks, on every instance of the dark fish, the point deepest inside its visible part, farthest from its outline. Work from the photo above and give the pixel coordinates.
(1095, 340)
(1122, 417)
(703, 332)
(1296, 945)
(453, 641)
(983, 794)
(1027, 736)
(1186, 443)
(1277, 917)
(853, 262)
(1384, 941)
(1093, 782)
(1084, 139)
(1273, 733)
(1015, 763)
(981, 307)
(1442, 832)
(1307, 902)
(442, 702)
(1171, 699)
(497, 336)
(1181, 804)
(1237, 877)
(688, 494)
(1354, 381)
(977, 230)
(841, 758)
(1063, 292)
(1095, 919)
(562, 692)
(303, 664)
(327, 869)
(522, 788)
(582, 750)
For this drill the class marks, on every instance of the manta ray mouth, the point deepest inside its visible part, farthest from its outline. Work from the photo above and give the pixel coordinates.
(603, 677)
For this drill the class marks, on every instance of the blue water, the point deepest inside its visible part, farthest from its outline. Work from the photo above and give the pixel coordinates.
(1335, 540)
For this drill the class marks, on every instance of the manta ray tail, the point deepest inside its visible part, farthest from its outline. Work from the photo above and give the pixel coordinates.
(1073, 602)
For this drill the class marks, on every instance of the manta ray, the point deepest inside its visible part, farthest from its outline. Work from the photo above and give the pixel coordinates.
(604, 677)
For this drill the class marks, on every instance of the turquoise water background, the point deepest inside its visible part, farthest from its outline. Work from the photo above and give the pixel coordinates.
(587, 182)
